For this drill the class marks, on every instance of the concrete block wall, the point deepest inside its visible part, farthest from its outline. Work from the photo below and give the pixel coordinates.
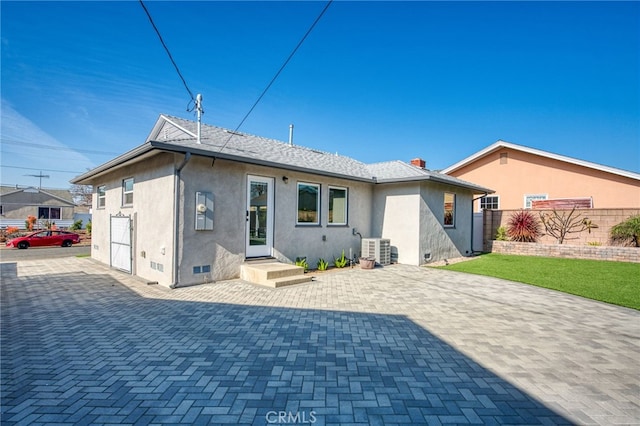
(618, 254)
(604, 218)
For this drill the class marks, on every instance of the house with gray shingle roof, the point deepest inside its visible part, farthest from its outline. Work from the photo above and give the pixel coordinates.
(18, 202)
(181, 211)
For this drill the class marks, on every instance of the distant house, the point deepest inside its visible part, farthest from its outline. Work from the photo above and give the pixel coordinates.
(521, 175)
(179, 212)
(17, 203)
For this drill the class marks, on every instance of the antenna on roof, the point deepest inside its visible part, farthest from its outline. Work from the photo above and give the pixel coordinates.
(200, 111)
(40, 175)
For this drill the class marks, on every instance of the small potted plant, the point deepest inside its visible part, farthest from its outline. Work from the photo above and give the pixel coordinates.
(367, 262)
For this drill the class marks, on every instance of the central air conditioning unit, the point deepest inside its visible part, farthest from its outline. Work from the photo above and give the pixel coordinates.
(380, 248)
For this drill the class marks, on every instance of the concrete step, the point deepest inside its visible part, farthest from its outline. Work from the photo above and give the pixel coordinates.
(273, 274)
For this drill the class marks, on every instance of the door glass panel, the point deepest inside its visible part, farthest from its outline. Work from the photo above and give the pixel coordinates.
(258, 214)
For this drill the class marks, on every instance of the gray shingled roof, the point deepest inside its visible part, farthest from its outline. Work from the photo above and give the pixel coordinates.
(63, 194)
(225, 143)
(179, 135)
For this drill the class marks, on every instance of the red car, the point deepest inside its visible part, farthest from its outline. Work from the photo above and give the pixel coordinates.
(45, 238)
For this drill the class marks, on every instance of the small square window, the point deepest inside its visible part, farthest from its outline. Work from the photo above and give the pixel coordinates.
(206, 269)
(197, 269)
(490, 202)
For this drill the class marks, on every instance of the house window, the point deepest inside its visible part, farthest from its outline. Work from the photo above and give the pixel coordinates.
(48, 212)
(127, 192)
(1, 209)
(528, 198)
(491, 202)
(308, 204)
(337, 206)
(449, 209)
(102, 196)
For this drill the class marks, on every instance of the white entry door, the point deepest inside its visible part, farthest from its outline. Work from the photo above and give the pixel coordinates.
(259, 233)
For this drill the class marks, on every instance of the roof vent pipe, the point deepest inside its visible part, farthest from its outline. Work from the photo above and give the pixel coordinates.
(290, 134)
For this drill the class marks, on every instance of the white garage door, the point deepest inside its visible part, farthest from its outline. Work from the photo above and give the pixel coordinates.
(121, 243)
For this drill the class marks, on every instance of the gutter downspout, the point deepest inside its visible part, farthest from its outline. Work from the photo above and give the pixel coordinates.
(472, 213)
(176, 224)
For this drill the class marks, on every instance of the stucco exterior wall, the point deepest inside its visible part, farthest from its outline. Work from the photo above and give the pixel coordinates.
(525, 173)
(396, 216)
(411, 215)
(223, 248)
(151, 214)
(436, 240)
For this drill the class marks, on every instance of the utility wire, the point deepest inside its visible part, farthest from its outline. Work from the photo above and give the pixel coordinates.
(41, 169)
(293, 52)
(57, 148)
(167, 50)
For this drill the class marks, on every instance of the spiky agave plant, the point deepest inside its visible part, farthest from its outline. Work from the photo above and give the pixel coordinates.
(523, 227)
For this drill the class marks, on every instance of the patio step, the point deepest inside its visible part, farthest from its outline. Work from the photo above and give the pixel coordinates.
(273, 274)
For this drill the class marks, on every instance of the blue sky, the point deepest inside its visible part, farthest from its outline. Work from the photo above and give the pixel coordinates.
(85, 81)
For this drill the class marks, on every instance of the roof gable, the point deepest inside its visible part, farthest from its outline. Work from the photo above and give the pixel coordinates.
(62, 195)
(502, 144)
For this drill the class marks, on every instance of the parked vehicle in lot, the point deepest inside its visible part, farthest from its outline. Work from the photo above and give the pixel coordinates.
(45, 238)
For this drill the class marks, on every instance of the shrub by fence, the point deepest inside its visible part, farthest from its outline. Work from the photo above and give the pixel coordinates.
(603, 218)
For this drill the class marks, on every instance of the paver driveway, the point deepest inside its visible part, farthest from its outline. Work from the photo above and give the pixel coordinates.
(399, 345)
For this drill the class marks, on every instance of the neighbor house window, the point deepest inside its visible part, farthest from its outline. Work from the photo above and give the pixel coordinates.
(337, 206)
(102, 196)
(1, 209)
(308, 204)
(449, 209)
(48, 212)
(127, 192)
(533, 197)
(491, 202)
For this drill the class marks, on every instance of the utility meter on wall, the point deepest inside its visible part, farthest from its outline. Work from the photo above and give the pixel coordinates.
(204, 211)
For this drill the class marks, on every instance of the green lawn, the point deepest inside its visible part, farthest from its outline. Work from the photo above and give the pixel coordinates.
(612, 282)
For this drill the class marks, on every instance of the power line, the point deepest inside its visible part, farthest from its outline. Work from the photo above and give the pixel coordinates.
(41, 169)
(277, 74)
(57, 148)
(167, 50)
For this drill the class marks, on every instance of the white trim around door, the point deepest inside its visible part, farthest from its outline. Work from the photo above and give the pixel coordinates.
(259, 217)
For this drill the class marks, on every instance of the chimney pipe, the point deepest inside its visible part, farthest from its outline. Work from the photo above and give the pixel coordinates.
(290, 134)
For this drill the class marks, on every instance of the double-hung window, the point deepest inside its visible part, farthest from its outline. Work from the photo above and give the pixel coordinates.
(102, 196)
(449, 209)
(308, 204)
(127, 192)
(337, 206)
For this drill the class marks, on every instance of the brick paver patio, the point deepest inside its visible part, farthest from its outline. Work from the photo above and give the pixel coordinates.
(82, 344)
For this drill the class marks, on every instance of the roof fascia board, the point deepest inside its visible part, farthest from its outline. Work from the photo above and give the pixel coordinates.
(435, 179)
(116, 162)
(503, 144)
(206, 153)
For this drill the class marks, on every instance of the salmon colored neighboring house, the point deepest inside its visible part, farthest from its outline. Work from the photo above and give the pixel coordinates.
(520, 175)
